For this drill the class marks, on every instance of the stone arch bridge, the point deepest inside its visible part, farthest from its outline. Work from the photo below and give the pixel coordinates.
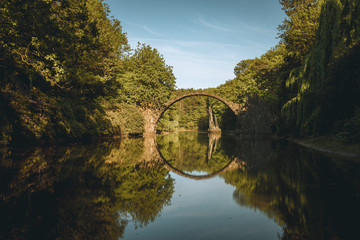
(152, 117)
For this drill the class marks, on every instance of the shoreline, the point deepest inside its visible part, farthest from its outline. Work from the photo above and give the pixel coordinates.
(329, 147)
(325, 144)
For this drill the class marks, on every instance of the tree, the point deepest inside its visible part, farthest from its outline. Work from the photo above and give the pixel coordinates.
(55, 53)
(321, 102)
(298, 31)
(147, 81)
(69, 43)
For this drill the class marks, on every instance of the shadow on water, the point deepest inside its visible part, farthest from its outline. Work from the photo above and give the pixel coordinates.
(95, 191)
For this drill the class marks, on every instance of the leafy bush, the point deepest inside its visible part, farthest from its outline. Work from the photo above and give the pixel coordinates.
(126, 118)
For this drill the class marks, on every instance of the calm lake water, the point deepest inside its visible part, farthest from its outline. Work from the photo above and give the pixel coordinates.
(179, 186)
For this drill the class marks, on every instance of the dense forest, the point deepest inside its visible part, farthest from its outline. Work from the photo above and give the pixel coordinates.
(68, 72)
(311, 79)
(65, 67)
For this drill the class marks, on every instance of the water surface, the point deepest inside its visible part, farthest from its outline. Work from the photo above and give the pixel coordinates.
(179, 186)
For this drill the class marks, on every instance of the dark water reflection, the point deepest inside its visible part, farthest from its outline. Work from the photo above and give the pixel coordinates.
(81, 192)
(102, 191)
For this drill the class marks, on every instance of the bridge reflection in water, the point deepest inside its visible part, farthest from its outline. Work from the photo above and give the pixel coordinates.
(198, 155)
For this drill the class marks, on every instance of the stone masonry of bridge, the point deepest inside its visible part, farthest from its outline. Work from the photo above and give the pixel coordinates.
(152, 116)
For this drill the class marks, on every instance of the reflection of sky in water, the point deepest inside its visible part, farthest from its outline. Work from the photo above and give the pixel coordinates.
(205, 209)
(197, 173)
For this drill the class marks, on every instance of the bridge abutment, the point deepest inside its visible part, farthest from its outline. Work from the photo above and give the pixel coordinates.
(151, 117)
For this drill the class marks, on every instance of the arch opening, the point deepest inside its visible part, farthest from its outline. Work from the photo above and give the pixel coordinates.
(234, 108)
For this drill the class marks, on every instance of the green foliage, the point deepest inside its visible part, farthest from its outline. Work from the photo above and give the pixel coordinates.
(310, 79)
(68, 43)
(147, 81)
(126, 117)
(31, 118)
(81, 120)
(258, 78)
(56, 57)
(169, 121)
(59, 59)
(38, 118)
(298, 31)
(326, 83)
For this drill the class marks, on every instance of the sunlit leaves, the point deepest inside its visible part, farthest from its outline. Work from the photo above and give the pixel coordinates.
(147, 81)
(315, 105)
(256, 77)
(299, 30)
(68, 43)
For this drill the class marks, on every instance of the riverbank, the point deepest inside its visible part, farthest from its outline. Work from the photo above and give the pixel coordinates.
(329, 145)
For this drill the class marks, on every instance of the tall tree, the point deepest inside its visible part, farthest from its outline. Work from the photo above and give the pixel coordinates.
(148, 81)
(298, 31)
(322, 103)
(63, 51)
(69, 43)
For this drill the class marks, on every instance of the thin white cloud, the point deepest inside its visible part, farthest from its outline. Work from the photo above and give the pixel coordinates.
(202, 22)
(241, 27)
(203, 49)
(252, 28)
(146, 28)
(151, 31)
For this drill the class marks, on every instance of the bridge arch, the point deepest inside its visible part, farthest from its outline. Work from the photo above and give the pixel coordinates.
(236, 108)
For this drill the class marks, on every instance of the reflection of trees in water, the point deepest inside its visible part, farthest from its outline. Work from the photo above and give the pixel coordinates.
(93, 192)
(311, 196)
(193, 151)
(128, 152)
(81, 192)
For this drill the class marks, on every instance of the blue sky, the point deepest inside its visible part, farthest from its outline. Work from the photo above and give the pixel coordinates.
(202, 39)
